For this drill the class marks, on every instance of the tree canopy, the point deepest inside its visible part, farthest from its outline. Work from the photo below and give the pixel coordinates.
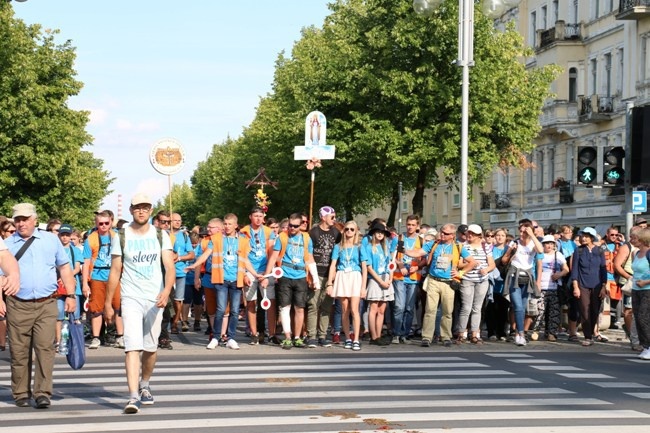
(387, 81)
(42, 140)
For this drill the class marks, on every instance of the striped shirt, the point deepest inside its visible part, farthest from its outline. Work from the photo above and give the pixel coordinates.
(480, 254)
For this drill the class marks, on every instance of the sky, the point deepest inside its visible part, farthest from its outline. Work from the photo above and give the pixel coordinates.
(192, 70)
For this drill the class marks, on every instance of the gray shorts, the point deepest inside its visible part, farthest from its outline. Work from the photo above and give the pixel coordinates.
(251, 291)
(142, 320)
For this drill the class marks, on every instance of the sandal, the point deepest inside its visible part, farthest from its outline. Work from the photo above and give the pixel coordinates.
(601, 338)
(587, 343)
(475, 340)
(573, 338)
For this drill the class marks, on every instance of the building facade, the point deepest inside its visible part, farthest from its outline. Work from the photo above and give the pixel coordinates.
(603, 47)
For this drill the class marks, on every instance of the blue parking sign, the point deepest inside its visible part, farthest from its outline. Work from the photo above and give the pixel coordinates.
(639, 201)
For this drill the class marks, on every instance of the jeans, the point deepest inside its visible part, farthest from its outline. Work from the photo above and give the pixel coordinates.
(404, 307)
(228, 291)
(518, 300)
(337, 317)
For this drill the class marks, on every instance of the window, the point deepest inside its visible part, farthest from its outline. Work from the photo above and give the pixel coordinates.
(556, 11)
(445, 204)
(456, 200)
(621, 71)
(551, 167)
(595, 9)
(608, 74)
(533, 29)
(544, 18)
(539, 170)
(529, 174)
(573, 84)
(593, 68)
(573, 12)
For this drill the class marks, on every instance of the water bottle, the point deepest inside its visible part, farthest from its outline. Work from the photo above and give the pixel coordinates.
(65, 338)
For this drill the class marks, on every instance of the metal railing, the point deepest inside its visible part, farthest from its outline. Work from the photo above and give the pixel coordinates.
(625, 5)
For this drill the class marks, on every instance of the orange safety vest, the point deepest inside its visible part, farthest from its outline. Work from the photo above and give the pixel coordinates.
(397, 275)
(246, 231)
(217, 259)
(93, 242)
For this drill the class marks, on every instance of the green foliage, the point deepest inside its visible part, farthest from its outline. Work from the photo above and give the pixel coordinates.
(41, 138)
(387, 81)
(182, 202)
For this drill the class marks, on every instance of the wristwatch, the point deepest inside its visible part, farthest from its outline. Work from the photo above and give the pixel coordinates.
(71, 296)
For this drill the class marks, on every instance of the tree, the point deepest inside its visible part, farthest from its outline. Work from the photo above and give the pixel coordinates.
(41, 139)
(182, 202)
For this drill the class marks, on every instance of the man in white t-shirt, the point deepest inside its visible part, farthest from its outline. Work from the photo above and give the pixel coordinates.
(144, 293)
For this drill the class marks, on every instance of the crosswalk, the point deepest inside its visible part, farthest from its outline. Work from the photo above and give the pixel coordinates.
(411, 392)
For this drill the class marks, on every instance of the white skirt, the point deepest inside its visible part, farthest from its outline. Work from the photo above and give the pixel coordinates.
(347, 285)
(376, 293)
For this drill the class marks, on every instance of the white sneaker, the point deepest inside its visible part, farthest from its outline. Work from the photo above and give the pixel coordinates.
(645, 355)
(520, 340)
(232, 344)
(119, 342)
(213, 344)
(94, 344)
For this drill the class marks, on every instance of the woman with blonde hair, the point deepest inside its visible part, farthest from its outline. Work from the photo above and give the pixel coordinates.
(347, 281)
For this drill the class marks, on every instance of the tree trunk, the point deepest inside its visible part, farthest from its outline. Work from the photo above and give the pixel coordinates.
(394, 203)
(418, 197)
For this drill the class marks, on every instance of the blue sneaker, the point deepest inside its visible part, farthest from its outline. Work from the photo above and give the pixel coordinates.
(133, 406)
(348, 344)
(145, 396)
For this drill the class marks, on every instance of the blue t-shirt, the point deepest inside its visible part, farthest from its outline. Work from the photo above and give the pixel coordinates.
(102, 264)
(293, 262)
(376, 257)
(347, 259)
(182, 246)
(78, 258)
(409, 244)
(641, 269)
(442, 261)
(568, 248)
(189, 276)
(257, 255)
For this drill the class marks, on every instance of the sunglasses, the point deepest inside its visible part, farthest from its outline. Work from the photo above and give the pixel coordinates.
(164, 221)
(446, 234)
(350, 229)
(489, 236)
(11, 231)
(303, 222)
(99, 224)
(295, 226)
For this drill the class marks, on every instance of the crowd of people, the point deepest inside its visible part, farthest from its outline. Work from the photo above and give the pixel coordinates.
(136, 285)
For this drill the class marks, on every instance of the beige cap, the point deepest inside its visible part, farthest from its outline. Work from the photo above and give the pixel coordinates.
(140, 198)
(24, 210)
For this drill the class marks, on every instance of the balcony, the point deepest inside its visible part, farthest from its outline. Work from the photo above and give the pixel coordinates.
(595, 108)
(492, 200)
(560, 32)
(633, 9)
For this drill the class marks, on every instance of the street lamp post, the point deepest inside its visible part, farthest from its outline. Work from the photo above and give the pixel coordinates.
(493, 9)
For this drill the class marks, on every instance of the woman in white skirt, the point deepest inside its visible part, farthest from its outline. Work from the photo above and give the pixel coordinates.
(377, 257)
(347, 281)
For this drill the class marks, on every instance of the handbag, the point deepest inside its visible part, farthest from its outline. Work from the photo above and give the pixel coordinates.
(77, 349)
(627, 287)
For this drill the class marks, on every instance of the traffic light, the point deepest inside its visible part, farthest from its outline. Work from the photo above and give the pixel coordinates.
(587, 165)
(613, 172)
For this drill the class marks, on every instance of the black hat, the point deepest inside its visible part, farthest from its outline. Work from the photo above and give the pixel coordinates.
(204, 232)
(462, 229)
(379, 227)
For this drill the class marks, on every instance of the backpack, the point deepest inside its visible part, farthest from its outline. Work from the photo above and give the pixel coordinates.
(95, 244)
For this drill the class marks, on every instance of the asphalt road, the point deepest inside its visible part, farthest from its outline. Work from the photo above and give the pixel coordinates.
(543, 387)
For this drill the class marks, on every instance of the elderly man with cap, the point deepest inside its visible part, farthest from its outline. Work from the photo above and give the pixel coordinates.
(139, 253)
(32, 321)
(641, 222)
(447, 259)
(319, 304)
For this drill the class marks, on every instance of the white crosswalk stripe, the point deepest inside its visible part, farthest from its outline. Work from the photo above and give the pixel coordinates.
(328, 393)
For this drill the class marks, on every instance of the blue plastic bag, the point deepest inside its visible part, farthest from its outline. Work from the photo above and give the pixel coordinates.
(77, 350)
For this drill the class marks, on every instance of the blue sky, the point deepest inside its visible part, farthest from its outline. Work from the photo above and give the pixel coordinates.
(152, 69)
